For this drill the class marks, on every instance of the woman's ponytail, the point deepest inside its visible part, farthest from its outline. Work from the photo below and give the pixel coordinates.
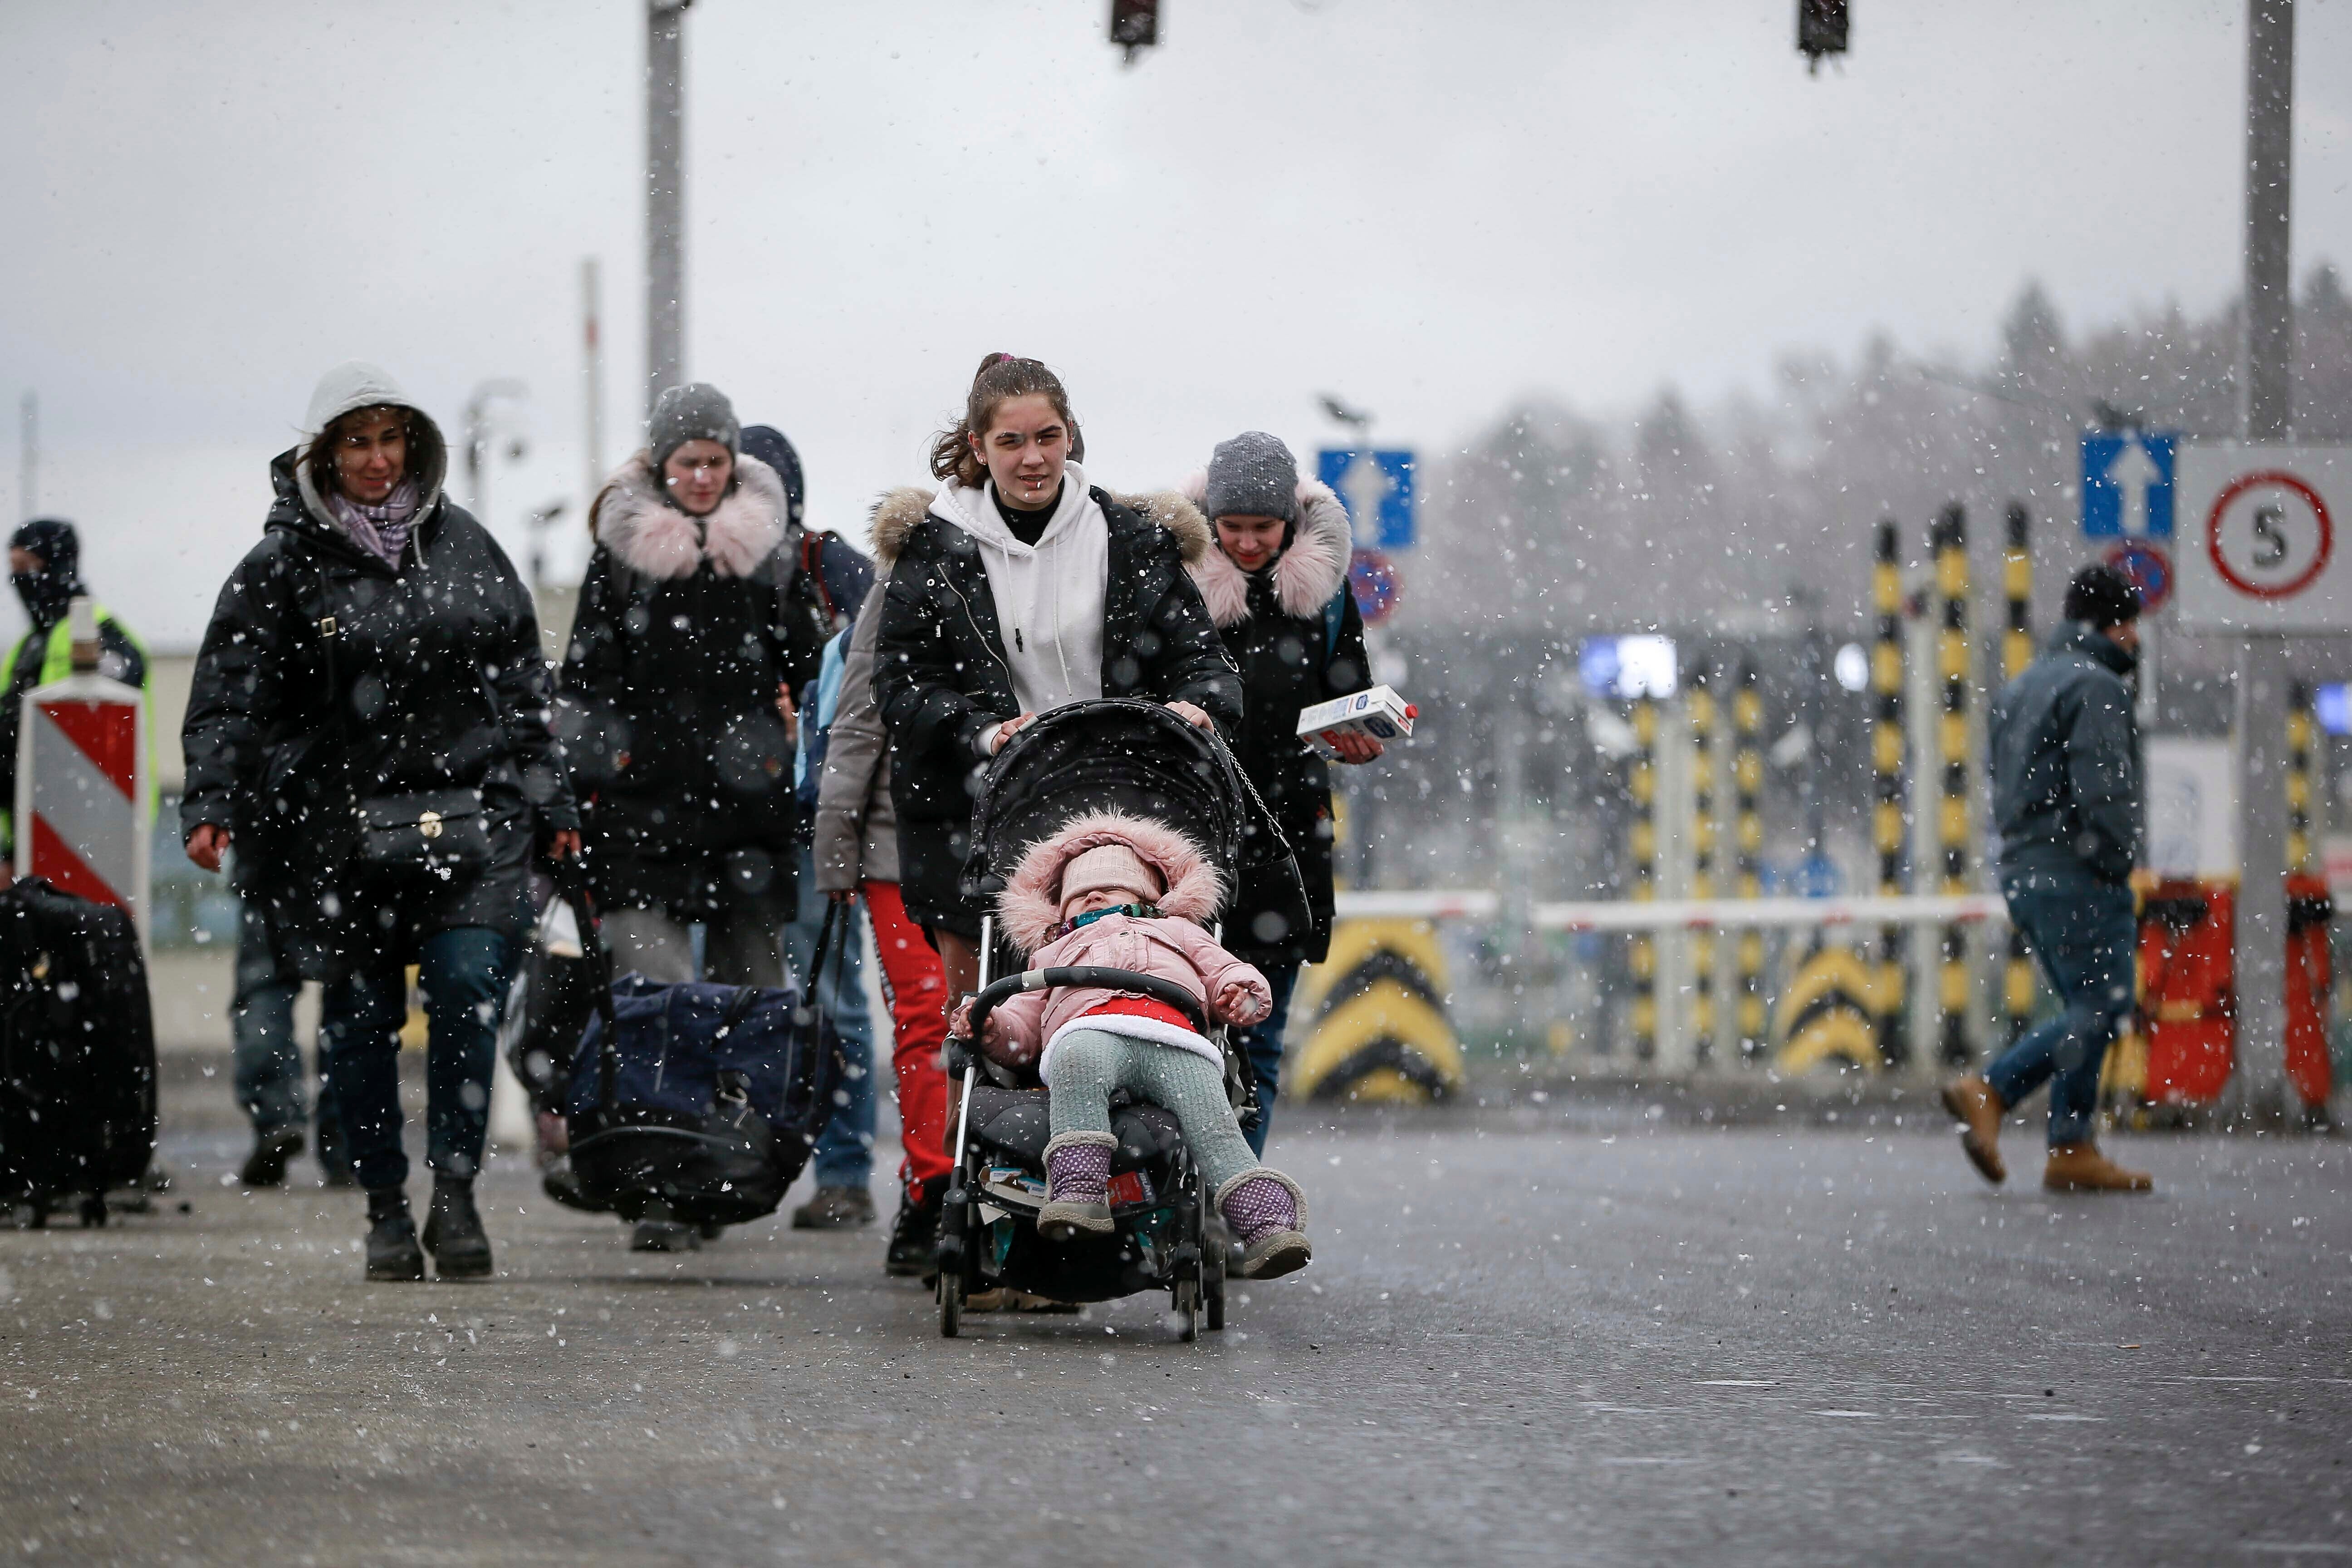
(1001, 376)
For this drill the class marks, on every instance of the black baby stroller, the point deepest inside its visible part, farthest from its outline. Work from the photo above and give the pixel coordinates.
(1140, 759)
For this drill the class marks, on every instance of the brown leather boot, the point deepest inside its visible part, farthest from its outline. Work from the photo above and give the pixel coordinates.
(2081, 1168)
(1975, 1106)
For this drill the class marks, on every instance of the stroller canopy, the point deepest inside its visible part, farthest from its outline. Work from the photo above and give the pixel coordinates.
(1116, 755)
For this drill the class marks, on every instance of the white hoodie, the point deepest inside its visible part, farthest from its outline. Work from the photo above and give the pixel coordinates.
(1050, 599)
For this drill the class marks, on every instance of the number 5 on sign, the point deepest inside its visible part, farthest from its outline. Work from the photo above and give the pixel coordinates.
(2261, 550)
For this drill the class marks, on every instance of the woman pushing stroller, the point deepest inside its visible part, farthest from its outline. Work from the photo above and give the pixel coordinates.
(1016, 588)
(1122, 892)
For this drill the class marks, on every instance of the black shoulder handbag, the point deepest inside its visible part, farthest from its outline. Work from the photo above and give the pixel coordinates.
(443, 832)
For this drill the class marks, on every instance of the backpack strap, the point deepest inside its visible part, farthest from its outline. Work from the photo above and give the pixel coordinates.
(1334, 615)
(812, 563)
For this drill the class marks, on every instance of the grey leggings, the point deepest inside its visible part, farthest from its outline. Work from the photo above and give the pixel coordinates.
(741, 950)
(1089, 1064)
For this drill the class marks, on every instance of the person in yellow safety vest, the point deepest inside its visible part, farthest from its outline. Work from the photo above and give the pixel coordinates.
(45, 566)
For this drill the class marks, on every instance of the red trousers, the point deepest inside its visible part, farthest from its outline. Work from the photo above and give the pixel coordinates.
(916, 986)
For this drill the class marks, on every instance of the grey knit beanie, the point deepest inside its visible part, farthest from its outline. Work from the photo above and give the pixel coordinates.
(695, 412)
(1253, 475)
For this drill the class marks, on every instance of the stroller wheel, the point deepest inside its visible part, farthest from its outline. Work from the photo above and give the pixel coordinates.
(1212, 1287)
(950, 1303)
(1188, 1309)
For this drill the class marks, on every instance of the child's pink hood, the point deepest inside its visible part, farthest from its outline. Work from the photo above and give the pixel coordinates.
(1030, 910)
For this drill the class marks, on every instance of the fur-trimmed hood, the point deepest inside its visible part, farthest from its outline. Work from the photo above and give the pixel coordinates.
(1306, 574)
(635, 520)
(1031, 909)
(898, 510)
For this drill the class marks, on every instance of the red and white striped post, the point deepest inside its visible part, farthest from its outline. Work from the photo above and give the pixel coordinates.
(81, 781)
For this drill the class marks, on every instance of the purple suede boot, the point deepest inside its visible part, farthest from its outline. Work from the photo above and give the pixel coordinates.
(1269, 1216)
(1077, 1187)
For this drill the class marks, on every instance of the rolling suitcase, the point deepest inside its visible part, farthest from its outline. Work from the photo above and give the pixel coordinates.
(77, 1052)
(695, 1103)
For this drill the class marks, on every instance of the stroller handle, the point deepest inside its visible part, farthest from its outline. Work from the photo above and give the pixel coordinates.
(1088, 974)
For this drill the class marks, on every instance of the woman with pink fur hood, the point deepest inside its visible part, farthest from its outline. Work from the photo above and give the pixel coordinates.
(696, 624)
(1126, 893)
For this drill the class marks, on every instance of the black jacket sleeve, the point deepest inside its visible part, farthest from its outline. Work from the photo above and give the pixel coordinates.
(923, 707)
(590, 680)
(237, 690)
(1190, 664)
(525, 690)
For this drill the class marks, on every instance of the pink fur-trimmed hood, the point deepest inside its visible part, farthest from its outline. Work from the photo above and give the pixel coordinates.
(1306, 575)
(635, 520)
(1030, 907)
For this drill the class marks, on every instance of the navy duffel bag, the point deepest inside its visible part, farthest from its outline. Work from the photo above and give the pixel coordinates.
(698, 1102)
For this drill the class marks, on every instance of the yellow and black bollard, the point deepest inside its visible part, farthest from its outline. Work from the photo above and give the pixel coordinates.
(1702, 706)
(1379, 1029)
(1949, 539)
(1887, 989)
(1641, 956)
(1748, 836)
(1825, 1013)
(2016, 652)
(1375, 1012)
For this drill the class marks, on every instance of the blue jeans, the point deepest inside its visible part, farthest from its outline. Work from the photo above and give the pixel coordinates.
(267, 1064)
(1260, 1046)
(462, 980)
(2086, 937)
(844, 1150)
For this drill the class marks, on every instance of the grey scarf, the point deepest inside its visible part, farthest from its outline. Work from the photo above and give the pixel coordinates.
(381, 530)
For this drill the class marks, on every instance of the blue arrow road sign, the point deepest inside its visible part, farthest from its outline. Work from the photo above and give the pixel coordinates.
(2127, 484)
(1377, 483)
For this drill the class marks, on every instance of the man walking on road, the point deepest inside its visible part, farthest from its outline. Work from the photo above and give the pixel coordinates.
(2066, 800)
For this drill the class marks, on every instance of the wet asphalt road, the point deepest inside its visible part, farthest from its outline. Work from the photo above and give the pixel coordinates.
(1532, 1336)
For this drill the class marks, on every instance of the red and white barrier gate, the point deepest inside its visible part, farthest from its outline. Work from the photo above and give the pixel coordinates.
(81, 789)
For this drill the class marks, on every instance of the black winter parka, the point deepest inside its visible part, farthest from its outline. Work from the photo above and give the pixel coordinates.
(438, 683)
(940, 679)
(686, 628)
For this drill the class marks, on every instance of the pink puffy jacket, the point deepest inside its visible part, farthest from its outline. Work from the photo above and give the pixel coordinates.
(1168, 948)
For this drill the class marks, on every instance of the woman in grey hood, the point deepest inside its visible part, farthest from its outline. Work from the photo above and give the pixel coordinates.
(369, 723)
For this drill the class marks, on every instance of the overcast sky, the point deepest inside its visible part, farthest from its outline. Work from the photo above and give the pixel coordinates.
(1433, 209)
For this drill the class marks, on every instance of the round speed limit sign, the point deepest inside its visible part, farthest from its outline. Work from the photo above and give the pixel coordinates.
(2269, 535)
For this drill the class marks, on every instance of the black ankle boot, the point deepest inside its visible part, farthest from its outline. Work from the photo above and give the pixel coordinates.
(453, 1230)
(915, 1236)
(266, 1166)
(392, 1250)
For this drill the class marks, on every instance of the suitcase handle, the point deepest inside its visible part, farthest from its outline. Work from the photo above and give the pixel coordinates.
(572, 886)
(831, 942)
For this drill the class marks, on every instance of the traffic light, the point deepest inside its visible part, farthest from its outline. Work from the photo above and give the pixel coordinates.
(1822, 27)
(1134, 25)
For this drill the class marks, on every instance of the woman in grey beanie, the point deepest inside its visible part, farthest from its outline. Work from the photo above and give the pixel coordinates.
(1277, 586)
(696, 623)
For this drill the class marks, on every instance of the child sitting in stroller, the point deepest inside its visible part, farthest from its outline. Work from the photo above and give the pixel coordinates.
(1128, 893)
